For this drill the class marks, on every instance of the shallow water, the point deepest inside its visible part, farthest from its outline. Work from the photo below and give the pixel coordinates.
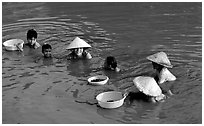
(128, 31)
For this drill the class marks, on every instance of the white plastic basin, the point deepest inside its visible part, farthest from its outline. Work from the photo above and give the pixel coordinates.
(98, 80)
(111, 99)
(12, 44)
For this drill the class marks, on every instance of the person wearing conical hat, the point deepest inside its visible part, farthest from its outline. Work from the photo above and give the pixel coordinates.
(78, 49)
(160, 63)
(149, 87)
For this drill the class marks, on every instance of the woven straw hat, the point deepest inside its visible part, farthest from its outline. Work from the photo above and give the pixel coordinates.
(160, 58)
(78, 43)
(147, 85)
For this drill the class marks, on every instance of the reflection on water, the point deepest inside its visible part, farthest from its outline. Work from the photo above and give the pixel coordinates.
(128, 31)
(79, 68)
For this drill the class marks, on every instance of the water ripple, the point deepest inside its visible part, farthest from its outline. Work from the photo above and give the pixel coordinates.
(59, 31)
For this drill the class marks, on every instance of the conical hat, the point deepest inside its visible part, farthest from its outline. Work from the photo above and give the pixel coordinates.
(160, 58)
(78, 43)
(147, 85)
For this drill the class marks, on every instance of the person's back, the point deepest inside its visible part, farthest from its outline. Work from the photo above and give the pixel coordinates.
(86, 55)
(165, 75)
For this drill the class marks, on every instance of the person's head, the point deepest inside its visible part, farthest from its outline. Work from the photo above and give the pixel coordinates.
(32, 36)
(47, 50)
(111, 62)
(78, 51)
(157, 66)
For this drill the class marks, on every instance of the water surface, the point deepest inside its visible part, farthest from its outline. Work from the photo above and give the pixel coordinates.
(128, 31)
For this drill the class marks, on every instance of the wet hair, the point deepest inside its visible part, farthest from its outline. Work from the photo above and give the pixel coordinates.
(32, 33)
(158, 66)
(46, 46)
(111, 62)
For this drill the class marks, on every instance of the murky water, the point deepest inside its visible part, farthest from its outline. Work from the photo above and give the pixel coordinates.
(128, 31)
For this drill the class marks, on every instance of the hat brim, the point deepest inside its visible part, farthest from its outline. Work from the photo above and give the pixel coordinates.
(165, 65)
(77, 48)
(78, 43)
(155, 61)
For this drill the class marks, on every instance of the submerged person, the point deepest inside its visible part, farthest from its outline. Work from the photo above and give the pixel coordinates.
(47, 50)
(149, 87)
(160, 63)
(32, 39)
(111, 64)
(47, 58)
(78, 49)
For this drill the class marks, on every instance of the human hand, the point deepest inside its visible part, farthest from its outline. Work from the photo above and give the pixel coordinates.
(36, 45)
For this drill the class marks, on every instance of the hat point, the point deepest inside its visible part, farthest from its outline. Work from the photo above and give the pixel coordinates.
(78, 43)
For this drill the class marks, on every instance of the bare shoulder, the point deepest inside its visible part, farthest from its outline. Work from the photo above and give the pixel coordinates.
(117, 69)
(88, 56)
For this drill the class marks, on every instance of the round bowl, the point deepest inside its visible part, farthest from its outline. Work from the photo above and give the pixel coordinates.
(111, 99)
(98, 80)
(13, 44)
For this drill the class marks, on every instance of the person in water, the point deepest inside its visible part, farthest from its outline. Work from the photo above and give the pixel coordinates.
(111, 64)
(32, 39)
(160, 63)
(47, 50)
(148, 88)
(78, 49)
(47, 58)
(79, 53)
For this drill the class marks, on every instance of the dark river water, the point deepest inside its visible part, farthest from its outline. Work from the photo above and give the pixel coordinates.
(128, 31)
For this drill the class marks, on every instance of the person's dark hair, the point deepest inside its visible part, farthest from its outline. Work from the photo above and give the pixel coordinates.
(111, 61)
(32, 33)
(46, 46)
(157, 66)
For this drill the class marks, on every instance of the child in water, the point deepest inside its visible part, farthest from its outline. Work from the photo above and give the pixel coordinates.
(78, 49)
(46, 50)
(160, 63)
(32, 39)
(111, 64)
(47, 58)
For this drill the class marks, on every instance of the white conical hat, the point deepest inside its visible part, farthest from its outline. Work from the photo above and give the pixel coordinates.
(160, 58)
(78, 43)
(147, 85)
